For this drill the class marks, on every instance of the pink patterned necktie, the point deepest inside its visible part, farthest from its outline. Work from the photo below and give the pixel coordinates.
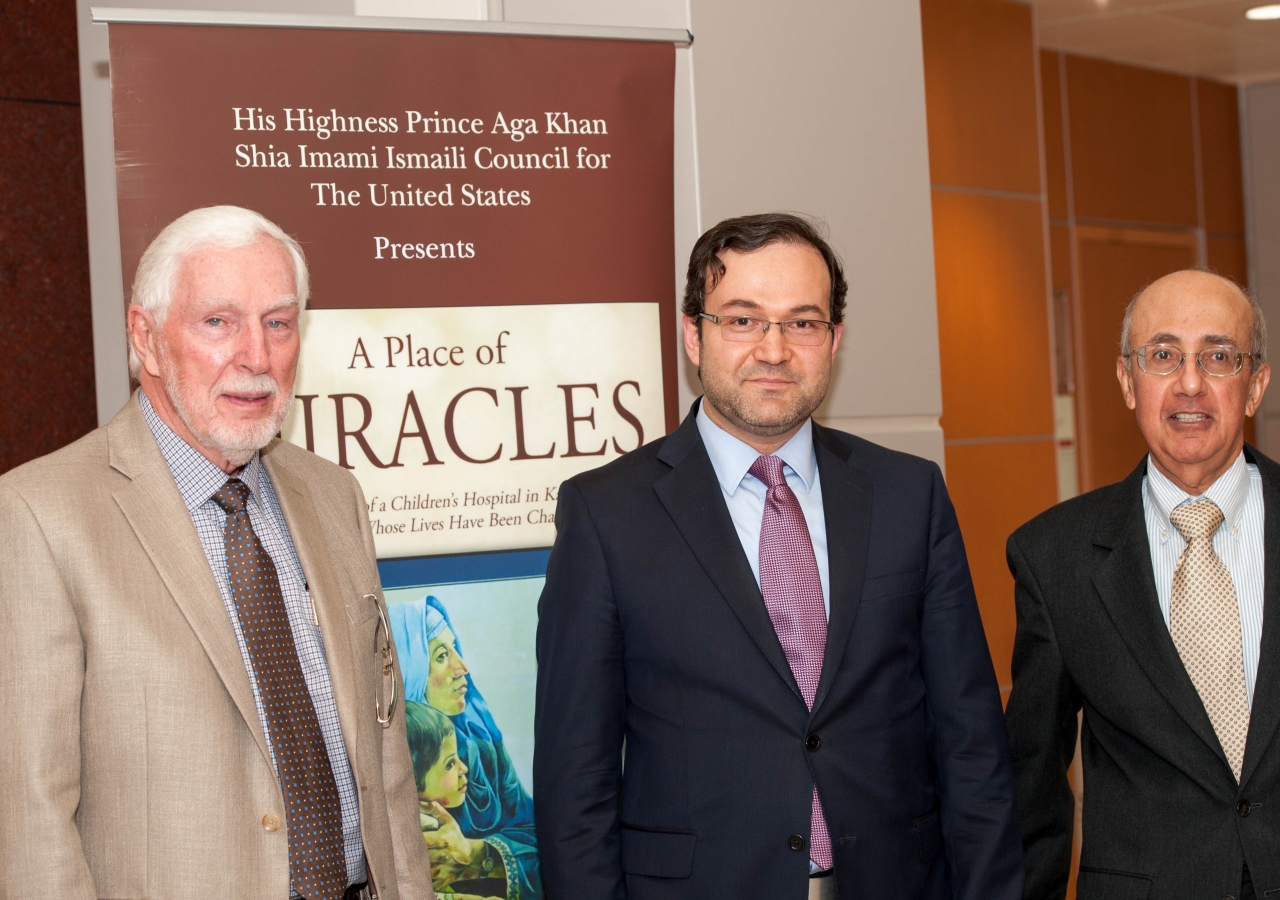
(792, 592)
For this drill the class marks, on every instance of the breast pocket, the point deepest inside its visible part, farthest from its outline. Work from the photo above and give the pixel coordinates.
(894, 584)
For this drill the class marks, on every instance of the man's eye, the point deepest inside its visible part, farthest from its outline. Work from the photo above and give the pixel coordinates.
(801, 324)
(213, 320)
(740, 321)
(1163, 354)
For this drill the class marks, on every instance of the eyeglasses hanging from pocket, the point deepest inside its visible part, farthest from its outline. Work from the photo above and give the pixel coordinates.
(387, 657)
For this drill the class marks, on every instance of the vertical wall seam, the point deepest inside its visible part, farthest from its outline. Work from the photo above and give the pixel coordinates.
(1202, 243)
(1054, 374)
(1077, 320)
(1250, 240)
(693, 115)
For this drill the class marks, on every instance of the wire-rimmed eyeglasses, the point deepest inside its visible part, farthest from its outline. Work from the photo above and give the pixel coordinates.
(1218, 360)
(752, 329)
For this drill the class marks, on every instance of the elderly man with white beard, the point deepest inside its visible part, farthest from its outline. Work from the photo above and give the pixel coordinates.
(197, 683)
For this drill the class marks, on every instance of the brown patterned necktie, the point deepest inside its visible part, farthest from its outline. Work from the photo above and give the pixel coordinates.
(1204, 619)
(313, 813)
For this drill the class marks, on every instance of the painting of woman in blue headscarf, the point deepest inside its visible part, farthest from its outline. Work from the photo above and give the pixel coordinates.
(477, 817)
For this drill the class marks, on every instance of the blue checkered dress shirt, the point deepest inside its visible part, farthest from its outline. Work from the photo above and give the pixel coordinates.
(198, 479)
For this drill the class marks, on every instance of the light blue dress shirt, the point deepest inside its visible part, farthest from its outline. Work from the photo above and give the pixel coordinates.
(1238, 542)
(744, 493)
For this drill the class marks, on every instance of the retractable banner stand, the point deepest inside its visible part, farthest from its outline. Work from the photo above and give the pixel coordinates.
(488, 220)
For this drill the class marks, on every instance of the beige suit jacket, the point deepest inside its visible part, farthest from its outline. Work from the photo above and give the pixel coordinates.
(132, 761)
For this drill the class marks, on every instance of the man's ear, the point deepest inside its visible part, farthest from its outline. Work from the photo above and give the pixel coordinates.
(692, 339)
(1258, 382)
(143, 337)
(1125, 376)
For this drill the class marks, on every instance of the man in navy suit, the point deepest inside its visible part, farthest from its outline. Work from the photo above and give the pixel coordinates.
(777, 622)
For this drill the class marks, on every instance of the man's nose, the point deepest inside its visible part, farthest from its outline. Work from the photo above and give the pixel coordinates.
(1190, 377)
(772, 347)
(252, 351)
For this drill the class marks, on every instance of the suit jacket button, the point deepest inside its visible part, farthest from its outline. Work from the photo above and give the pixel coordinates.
(271, 822)
(812, 743)
(795, 842)
(1243, 808)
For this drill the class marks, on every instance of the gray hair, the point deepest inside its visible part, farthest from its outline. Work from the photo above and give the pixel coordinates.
(1257, 331)
(223, 227)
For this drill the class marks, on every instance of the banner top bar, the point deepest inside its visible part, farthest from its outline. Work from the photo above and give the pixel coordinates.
(133, 16)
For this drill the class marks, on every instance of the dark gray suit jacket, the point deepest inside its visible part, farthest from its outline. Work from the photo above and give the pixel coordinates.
(1163, 815)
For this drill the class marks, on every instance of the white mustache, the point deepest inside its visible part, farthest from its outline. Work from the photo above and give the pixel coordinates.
(247, 384)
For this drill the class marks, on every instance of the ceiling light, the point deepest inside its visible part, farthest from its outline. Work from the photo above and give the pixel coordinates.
(1261, 13)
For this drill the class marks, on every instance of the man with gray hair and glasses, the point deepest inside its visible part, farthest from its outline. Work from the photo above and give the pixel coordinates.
(196, 679)
(1143, 605)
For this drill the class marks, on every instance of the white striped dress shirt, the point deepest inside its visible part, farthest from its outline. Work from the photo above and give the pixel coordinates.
(1238, 543)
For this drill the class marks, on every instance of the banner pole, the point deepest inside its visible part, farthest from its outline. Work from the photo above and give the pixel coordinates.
(133, 16)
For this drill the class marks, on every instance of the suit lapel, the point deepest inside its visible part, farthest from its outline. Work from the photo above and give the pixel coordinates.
(1126, 584)
(691, 494)
(1265, 714)
(326, 592)
(846, 507)
(154, 509)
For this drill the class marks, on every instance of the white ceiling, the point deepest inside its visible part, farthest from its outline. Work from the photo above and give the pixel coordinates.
(1211, 38)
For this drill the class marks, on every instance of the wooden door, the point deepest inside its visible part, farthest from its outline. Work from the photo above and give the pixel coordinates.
(1113, 265)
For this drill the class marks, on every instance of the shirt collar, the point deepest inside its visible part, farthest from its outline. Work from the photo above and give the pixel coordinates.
(1230, 491)
(198, 479)
(732, 458)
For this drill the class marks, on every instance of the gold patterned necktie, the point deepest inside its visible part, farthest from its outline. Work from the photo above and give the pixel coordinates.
(1204, 620)
(313, 812)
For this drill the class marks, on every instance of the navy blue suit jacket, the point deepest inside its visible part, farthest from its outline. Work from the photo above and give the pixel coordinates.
(653, 633)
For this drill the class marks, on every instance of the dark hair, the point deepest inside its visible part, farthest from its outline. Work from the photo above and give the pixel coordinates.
(427, 728)
(747, 233)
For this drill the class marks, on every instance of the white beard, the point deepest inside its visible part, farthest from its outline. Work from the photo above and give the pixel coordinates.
(236, 441)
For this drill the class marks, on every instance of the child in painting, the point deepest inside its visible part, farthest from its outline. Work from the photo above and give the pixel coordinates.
(442, 785)
(443, 778)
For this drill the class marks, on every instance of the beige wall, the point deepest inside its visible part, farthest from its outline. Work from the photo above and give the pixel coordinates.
(1260, 132)
(819, 108)
(812, 107)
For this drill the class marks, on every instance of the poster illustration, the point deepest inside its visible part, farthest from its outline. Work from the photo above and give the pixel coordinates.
(488, 224)
(467, 654)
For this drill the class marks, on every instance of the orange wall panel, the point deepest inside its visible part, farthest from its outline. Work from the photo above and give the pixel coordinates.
(1132, 155)
(1054, 149)
(1228, 256)
(992, 316)
(979, 65)
(995, 488)
(1220, 160)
